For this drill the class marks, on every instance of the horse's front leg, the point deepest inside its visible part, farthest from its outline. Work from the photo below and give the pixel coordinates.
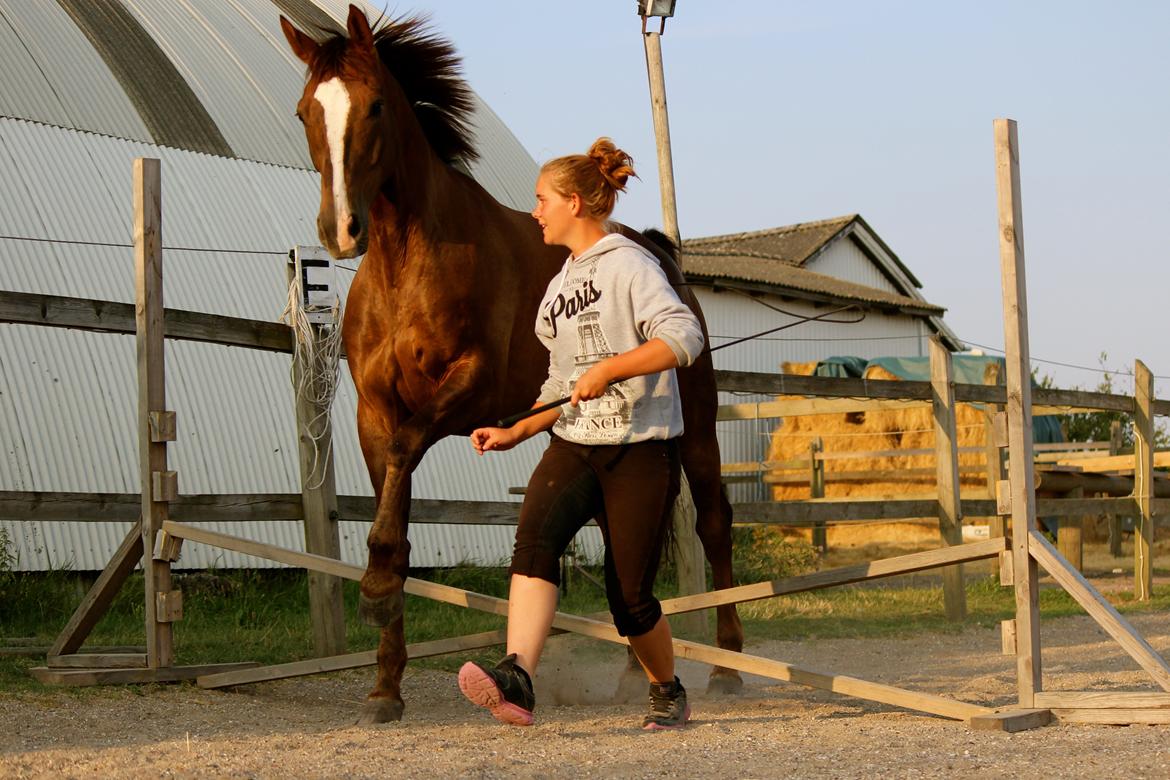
(381, 601)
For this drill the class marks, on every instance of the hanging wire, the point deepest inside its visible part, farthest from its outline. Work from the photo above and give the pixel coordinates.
(314, 373)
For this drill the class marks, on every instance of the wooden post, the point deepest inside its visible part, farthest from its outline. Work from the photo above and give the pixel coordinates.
(148, 317)
(993, 452)
(689, 558)
(816, 489)
(946, 445)
(1143, 481)
(653, 42)
(319, 501)
(1070, 534)
(1115, 520)
(1019, 409)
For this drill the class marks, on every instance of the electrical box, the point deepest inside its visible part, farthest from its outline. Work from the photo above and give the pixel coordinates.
(318, 283)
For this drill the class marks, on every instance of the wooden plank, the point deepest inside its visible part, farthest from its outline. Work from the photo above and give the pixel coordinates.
(1011, 721)
(1007, 638)
(129, 676)
(801, 407)
(1048, 400)
(887, 567)
(350, 660)
(950, 507)
(1143, 492)
(1070, 534)
(1112, 717)
(111, 317)
(318, 492)
(261, 550)
(1018, 407)
(100, 595)
(1159, 460)
(1100, 610)
(849, 686)
(1086, 700)
(97, 661)
(163, 426)
(873, 475)
(152, 455)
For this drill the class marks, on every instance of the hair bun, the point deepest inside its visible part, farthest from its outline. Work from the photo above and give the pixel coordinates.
(615, 165)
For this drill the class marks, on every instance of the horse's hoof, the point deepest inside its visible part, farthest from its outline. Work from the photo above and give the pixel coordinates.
(725, 683)
(376, 711)
(380, 611)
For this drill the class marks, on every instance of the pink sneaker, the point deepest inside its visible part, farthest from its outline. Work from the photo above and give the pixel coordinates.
(505, 690)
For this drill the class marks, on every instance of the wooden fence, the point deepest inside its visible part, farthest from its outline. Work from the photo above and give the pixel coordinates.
(159, 513)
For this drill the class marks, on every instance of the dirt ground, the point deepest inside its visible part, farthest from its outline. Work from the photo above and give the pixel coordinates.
(302, 727)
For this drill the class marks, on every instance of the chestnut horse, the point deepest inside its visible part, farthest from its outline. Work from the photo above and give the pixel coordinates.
(439, 321)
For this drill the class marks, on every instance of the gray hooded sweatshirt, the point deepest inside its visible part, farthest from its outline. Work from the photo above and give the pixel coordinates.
(611, 299)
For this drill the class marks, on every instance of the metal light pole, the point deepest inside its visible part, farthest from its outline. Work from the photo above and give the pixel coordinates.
(689, 559)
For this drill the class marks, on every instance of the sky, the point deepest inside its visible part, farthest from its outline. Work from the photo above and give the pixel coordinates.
(785, 112)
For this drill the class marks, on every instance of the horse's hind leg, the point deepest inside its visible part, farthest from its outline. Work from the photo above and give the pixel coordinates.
(713, 524)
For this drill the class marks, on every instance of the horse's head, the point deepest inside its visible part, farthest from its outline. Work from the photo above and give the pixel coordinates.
(368, 127)
(347, 124)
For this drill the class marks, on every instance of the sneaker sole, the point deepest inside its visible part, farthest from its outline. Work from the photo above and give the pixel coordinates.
(481, 689)
(663, 727)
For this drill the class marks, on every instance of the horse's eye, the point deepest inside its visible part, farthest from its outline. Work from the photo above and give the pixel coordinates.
(300, 117)
(376, 109)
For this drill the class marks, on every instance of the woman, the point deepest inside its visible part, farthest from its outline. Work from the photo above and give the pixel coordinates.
(615, 331)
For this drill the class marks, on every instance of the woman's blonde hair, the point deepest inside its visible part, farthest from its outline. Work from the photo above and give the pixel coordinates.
(596, 176)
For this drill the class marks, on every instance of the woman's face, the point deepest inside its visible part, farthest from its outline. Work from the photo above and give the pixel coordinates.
(554, 212)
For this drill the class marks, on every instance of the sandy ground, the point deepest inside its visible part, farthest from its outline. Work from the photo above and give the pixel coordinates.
(302, 727)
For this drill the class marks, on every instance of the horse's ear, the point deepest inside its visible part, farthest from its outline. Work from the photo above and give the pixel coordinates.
(359, 28)
(302, 45)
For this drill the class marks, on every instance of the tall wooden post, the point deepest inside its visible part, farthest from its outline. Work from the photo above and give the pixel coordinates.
(993, 452)
(816, 489)
(1115, 442)
(653, 43)
(318, 501)
(1070, 534)
(1019, 409)
(946, 448)
(157, 484)
(1143, 481)
(692, 576)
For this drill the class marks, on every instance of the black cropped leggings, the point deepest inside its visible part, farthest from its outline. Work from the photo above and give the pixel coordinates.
(630, 489)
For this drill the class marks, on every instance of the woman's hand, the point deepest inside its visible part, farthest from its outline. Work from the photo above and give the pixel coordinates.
(592, 383)
(499, 439)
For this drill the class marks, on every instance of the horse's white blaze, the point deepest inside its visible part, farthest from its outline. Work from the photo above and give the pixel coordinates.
(334, 99)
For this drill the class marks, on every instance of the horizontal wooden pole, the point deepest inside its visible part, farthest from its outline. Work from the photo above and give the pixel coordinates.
(97, 661)
(350, 661)
(128, 676)
(888, 567)
(1112, 717)
(269, 552)
(1103, 699)
(110, 317)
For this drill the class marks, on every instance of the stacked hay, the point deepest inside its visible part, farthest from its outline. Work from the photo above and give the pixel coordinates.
(893, 476)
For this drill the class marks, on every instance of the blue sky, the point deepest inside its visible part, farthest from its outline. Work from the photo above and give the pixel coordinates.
(785, 112)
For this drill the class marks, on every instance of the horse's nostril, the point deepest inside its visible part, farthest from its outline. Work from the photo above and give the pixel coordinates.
(353, 228)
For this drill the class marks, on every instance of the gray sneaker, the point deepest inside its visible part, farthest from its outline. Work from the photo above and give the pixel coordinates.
(668, 707)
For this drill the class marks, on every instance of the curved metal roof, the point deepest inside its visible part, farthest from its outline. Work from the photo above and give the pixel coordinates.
(201, 75)
(209, 88)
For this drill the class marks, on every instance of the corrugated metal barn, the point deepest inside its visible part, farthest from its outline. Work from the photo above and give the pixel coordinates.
(208, 87)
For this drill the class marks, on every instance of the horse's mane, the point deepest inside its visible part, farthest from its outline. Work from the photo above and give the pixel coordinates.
(427, 68)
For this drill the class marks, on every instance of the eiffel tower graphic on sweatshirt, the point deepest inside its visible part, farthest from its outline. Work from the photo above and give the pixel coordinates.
(605, 419)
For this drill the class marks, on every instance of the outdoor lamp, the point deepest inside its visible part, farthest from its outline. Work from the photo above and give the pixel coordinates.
(663, 8)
